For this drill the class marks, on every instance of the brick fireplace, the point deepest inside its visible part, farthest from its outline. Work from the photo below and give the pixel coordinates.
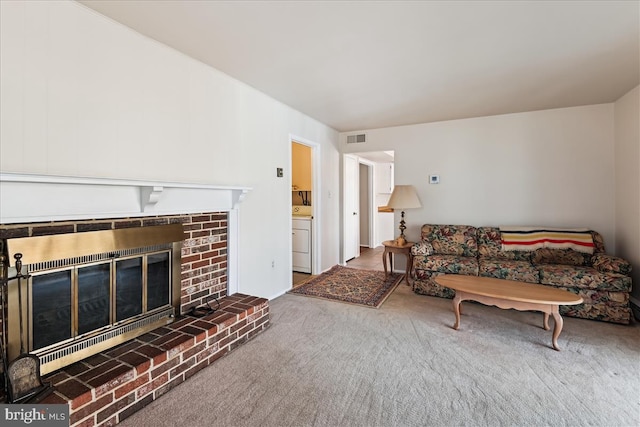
(107, 387)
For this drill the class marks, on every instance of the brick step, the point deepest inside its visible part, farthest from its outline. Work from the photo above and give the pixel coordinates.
(106, 388)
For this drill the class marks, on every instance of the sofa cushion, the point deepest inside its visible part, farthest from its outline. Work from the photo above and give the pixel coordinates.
(521, 271)
(421, 248)
(490, 246)
(451, 239)
(560, 256)
(598, 241)
(611, 264)
(599, 305)
(568, 256)
(449, 264)
(426, 285)
(583, 278)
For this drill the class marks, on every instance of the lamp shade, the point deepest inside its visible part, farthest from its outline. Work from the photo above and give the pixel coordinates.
(404, 197)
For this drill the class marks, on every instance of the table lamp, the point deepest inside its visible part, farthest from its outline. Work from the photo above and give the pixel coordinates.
(403, 197)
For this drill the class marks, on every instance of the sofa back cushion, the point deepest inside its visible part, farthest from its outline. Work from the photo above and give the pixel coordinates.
(490, 246)
(568, 256)
(560, 256)
(451, 239)
(598, 241)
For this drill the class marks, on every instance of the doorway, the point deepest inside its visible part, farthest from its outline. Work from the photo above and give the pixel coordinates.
(367, 186)
(366, 195)
(305, 202)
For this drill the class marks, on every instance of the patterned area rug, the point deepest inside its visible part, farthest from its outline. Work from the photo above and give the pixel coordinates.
(363, 287)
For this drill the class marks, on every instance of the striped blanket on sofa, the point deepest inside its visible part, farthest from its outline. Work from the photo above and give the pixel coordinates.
(532, 238)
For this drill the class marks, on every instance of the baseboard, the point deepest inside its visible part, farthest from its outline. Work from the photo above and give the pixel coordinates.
(635, 307)
(279, 294)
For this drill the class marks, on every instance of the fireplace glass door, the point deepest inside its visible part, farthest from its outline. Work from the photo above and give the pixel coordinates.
(93, 297)
(159, 274)
(84, 299)
(51, 294)
(128, 288)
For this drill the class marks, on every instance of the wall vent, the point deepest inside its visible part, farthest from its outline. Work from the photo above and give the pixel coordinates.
(357, 138)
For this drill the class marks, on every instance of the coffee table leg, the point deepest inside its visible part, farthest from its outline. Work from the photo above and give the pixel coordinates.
(545, 322)
(456, 309)
(557, 328)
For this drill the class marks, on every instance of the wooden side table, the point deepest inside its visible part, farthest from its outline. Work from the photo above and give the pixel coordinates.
(390, 247)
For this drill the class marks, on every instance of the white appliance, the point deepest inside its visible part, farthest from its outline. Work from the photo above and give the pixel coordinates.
(300, 210)
(301, 236)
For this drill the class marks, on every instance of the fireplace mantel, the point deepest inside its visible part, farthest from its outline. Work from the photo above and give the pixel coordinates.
(30, 198)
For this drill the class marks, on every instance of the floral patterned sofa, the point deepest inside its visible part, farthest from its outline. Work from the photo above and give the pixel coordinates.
(603, 281)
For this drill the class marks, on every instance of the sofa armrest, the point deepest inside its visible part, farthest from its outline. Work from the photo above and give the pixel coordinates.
(421, 248)
(610, 264)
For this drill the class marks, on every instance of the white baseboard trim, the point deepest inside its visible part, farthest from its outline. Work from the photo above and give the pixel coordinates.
(279, 294)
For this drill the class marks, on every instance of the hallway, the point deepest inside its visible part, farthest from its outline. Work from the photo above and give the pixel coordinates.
(369, 259)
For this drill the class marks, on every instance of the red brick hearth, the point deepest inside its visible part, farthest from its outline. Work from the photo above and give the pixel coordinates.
(108, 387)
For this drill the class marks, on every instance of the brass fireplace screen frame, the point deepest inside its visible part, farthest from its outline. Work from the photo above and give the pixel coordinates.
(42, 253)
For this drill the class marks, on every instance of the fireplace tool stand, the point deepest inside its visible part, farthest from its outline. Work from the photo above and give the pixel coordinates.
(22, 375)
(4, 268)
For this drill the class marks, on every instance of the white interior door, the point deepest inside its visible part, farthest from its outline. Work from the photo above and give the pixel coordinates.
(351, 208)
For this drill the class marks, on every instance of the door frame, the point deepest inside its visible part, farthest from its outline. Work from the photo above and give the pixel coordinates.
(315, 205)
(374, 220)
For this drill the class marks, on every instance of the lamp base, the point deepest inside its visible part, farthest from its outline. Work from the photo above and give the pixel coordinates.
(400, 241)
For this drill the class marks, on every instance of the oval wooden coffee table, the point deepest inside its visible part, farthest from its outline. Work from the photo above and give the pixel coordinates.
(510, 294)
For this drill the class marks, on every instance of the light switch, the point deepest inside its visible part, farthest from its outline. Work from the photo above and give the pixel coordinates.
(434, 179)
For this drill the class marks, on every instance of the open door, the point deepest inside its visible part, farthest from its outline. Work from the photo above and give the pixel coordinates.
(351, 242)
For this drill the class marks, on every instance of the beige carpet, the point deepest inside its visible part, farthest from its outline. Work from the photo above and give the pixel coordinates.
(324, 363)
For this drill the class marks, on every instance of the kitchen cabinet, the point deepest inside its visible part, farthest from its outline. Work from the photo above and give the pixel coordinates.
(302, 245)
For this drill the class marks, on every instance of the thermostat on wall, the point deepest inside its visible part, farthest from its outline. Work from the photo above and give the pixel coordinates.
(434, 179)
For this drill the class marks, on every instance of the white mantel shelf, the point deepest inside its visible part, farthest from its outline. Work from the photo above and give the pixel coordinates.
(32, 198)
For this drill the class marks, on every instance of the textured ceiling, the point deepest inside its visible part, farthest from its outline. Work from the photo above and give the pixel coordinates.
(357, 65)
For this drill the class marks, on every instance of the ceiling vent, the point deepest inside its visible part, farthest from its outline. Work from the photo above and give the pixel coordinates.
(357, 138)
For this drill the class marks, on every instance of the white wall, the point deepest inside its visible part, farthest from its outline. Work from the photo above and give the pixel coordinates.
(81, 95)
(552, 168)
(627, 176)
